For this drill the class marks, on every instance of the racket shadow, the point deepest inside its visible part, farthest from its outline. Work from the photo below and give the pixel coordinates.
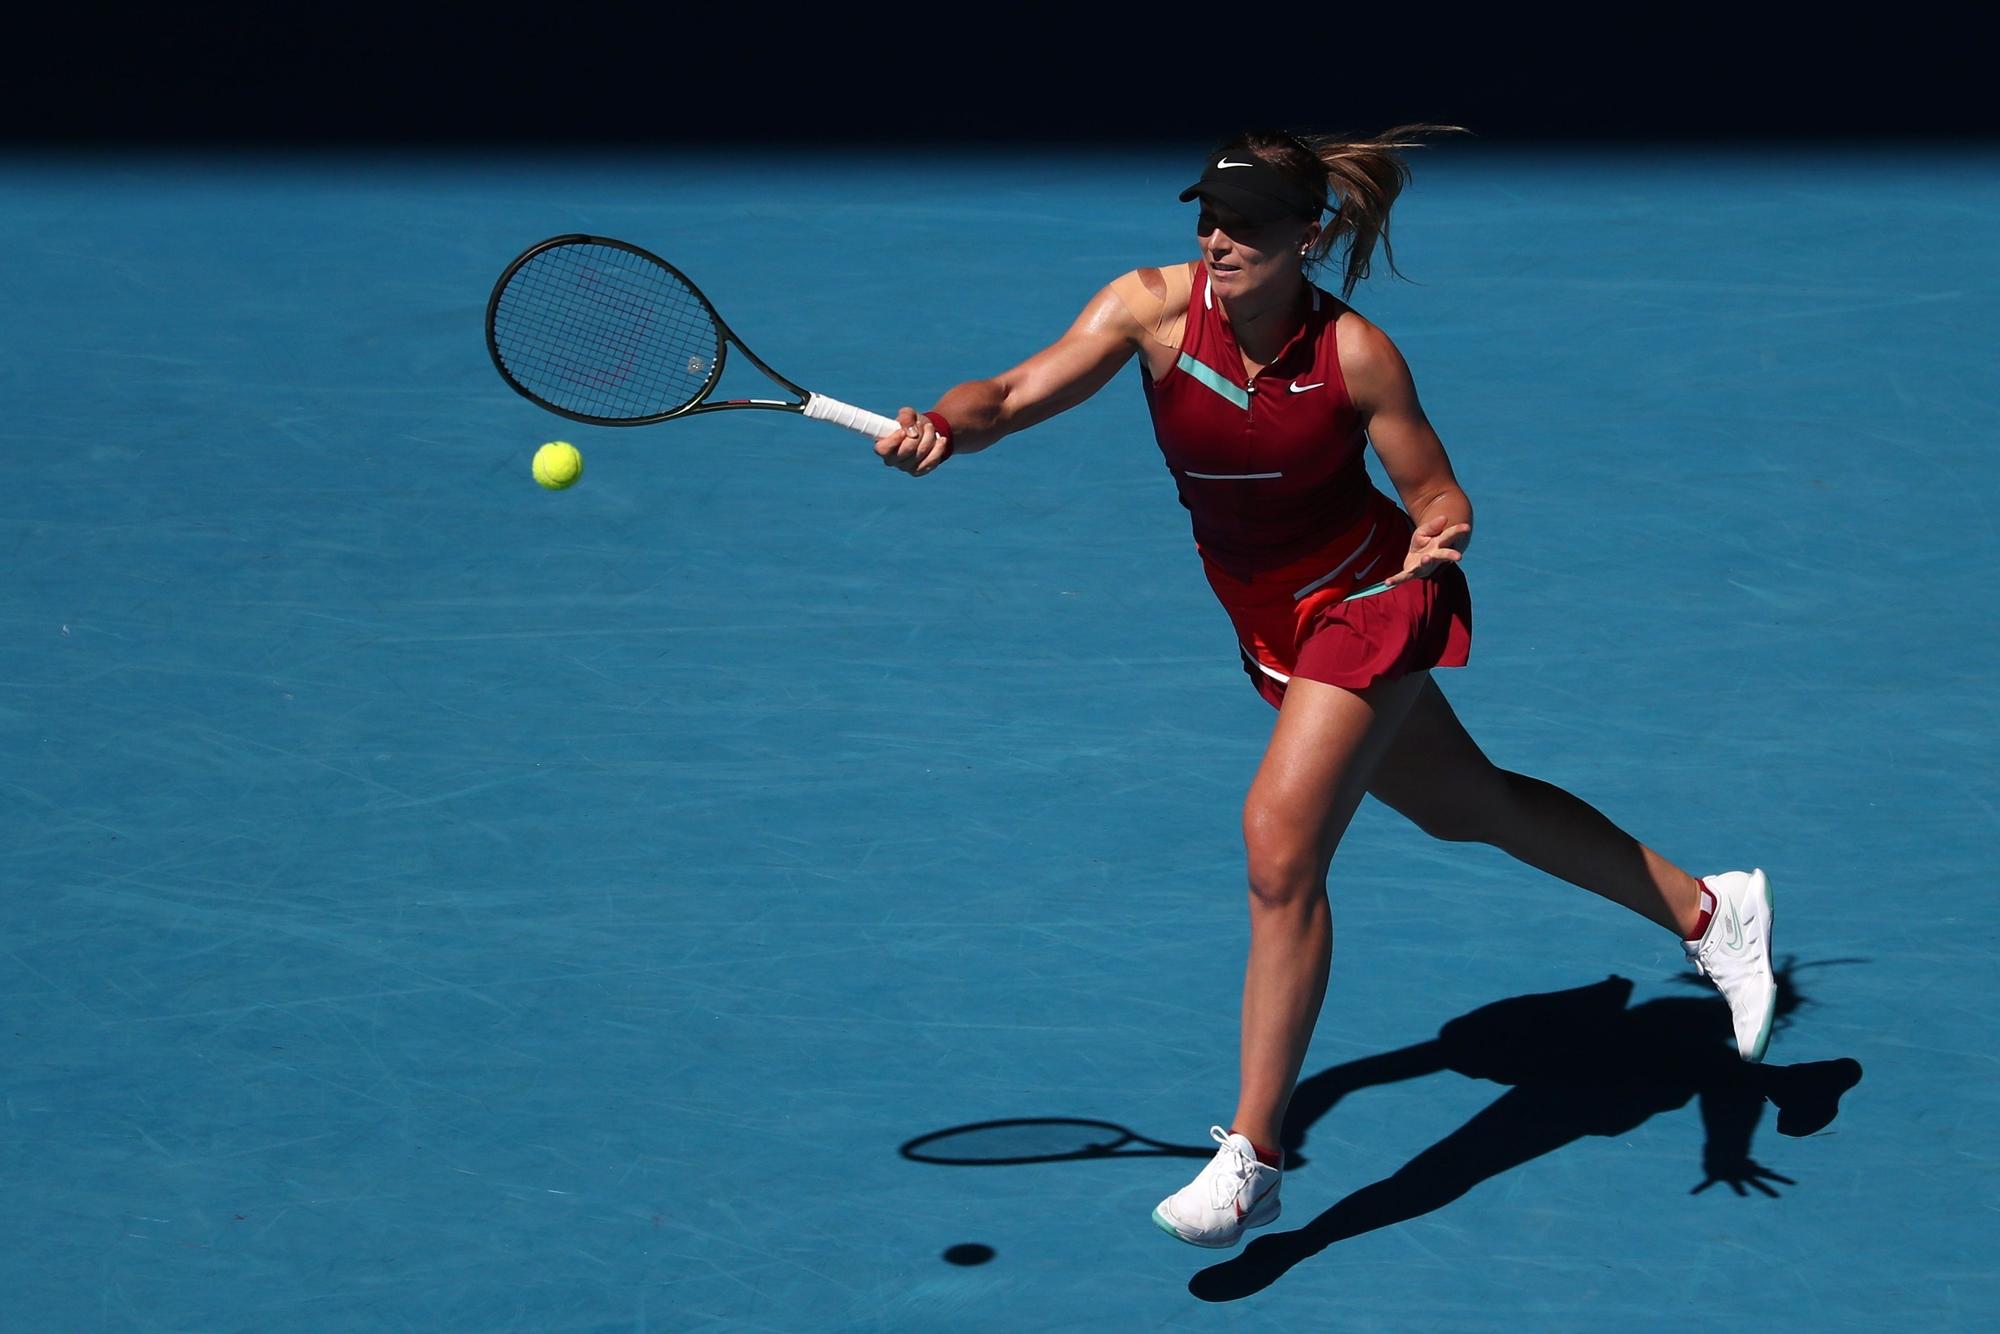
(1576, 1063)
(1019, 1141)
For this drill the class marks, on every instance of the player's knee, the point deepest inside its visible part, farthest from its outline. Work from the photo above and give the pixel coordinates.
(1284, 881)
(1285, 866)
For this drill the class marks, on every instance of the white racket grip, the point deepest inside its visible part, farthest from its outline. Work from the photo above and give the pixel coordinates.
(873, 425)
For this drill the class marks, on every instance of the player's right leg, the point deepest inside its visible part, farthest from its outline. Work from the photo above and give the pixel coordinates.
(1315, 770)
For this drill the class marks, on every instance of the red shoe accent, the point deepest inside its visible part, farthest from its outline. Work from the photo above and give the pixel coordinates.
(1707, 912)
(1268, 1157)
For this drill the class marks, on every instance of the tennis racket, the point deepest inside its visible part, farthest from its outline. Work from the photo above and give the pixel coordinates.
(603, 332)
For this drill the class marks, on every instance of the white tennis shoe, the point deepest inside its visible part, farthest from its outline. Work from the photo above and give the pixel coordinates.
(1233, 1194)
(1735, 954)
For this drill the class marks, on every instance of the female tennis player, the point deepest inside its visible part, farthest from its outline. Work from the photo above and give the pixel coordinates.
(1264, 389)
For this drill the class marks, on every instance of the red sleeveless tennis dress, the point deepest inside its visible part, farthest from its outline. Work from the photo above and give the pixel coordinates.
(1284, 514)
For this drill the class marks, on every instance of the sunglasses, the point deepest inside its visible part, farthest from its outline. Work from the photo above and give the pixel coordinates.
(1235, 224)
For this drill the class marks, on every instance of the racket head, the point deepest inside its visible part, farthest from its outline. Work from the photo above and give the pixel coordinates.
(604, 332)
(1018, 1141)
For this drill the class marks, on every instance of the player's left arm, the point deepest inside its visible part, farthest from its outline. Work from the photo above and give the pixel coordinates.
(1385, 394)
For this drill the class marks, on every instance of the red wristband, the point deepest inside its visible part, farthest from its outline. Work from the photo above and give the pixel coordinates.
(944, 434)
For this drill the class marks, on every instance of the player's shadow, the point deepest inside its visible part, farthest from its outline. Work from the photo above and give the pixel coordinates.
(1578, 1062)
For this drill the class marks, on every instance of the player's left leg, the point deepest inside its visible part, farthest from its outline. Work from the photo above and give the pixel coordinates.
(1436, 775)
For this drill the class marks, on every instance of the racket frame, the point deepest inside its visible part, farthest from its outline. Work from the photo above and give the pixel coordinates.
(724, 336)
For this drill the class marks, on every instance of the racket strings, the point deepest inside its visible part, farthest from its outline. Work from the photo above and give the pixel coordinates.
(603, 332)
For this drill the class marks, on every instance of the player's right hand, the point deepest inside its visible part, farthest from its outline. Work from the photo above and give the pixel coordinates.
(917, 448)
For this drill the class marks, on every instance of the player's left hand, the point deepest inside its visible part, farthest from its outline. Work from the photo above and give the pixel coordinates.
(917, 448)
(1434, 543)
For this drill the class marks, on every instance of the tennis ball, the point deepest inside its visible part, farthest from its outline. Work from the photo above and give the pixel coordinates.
(557, 465)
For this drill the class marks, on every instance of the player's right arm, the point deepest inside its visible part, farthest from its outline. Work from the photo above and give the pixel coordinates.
(1060, 376)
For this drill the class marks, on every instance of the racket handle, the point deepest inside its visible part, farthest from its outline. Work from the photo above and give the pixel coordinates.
(873, 425)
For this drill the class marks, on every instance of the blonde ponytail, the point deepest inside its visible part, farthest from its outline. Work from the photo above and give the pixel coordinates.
(1357, 179)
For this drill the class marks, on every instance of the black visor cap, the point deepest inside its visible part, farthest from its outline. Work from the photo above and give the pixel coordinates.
(1241, 183)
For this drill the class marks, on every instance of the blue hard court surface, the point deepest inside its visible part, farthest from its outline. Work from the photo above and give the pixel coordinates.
(436, 903)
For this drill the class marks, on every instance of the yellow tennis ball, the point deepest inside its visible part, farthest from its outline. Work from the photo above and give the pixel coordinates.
(557, 465)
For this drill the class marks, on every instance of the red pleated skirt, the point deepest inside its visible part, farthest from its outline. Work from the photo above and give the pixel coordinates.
(1297, 620)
